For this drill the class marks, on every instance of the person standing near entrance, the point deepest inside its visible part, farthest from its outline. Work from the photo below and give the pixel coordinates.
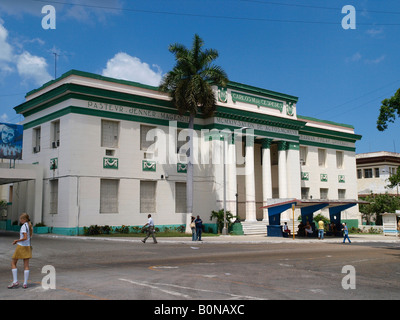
(321, 228)
(193, 227)
(199, 228)
(150, 229)
(23, 251)
(346, 233)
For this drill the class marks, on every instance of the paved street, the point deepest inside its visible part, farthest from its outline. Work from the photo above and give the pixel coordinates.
(224, 268)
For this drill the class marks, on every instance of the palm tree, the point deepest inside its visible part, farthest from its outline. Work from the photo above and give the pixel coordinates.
(189, 85)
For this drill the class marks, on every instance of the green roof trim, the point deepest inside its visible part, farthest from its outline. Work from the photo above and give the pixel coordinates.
(231, 85)
(92, 76)
(262, 92)
(325, 121)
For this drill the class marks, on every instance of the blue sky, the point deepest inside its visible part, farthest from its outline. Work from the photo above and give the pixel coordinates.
(294, 47)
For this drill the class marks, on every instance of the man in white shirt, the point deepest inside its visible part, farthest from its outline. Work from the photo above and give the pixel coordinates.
(286, 228)
(150, 229)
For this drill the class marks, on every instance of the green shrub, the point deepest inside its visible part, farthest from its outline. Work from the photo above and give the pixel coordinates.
(95, 230)
(219, 216)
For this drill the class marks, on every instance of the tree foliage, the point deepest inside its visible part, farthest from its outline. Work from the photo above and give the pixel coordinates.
(378, 204)
(219, 216)
(189, 82)
(394, 179)
(389, 109)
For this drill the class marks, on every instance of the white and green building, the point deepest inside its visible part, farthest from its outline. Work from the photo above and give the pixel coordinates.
(88, 134)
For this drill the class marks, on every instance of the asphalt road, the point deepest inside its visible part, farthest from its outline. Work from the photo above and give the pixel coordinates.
(111, 270)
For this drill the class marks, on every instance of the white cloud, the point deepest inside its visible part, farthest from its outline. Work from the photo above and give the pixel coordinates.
(377, 60)
(29, 67)
(358, 57)
(354, 58)
(6, 52)
(4, 117)
(375, 32)
(125, 67)
(32, 67)
(5, 47)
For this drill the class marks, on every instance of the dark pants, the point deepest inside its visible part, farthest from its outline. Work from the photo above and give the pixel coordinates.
(150, 231)
(198, 233)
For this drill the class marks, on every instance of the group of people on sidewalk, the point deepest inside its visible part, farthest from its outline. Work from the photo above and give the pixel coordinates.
(321, 230)
(196, 225)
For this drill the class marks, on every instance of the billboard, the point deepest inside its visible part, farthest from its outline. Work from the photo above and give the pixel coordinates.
(11, 141)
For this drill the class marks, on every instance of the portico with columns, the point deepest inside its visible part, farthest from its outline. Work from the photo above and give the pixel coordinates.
(265, 164)
(261, 178)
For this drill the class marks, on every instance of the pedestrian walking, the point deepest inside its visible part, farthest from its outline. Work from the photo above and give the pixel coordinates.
(321, 230)
(23, 251)
(150, 229)
(345, 232)
(199, 228)
(193, 227)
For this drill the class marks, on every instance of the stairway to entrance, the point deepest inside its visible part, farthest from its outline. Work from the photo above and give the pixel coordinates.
(254, 227)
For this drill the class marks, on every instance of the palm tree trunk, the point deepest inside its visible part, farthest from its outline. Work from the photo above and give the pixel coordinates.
(189, 174)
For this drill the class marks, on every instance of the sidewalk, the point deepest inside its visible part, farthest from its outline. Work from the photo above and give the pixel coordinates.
(257, 239)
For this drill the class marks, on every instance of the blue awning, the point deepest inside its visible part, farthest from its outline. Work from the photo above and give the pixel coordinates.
(309, 206)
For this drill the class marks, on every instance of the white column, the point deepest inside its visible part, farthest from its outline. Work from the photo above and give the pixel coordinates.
(218, 167)
(266, 175)
(293, 170)
(250, 181)
(231, 176)
(282, 173)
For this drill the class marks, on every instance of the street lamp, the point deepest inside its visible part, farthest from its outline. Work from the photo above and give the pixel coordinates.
(225, 229)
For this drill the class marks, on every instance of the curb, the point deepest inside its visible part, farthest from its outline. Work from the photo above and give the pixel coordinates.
(227, 239)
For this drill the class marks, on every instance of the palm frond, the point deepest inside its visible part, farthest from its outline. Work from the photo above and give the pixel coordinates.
(188, 83)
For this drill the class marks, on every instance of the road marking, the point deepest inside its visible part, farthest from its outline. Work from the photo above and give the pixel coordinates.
(156, 287)
(152, 286)
(286, 265)
(157, 268)
(318, 291)
(211, 291)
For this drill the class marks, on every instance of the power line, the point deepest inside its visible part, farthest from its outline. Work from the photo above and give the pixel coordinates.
(314, 7)
(216, 16)
(361, 105)
(355, 99)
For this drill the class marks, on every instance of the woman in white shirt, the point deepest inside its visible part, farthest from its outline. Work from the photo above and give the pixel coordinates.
(23, 251)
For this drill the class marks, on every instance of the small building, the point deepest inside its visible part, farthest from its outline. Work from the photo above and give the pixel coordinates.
(373, 171)
(101, 141)
(391, 223)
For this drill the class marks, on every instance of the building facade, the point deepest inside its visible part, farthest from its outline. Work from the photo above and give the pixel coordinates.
(374, 170)
(113, 151)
